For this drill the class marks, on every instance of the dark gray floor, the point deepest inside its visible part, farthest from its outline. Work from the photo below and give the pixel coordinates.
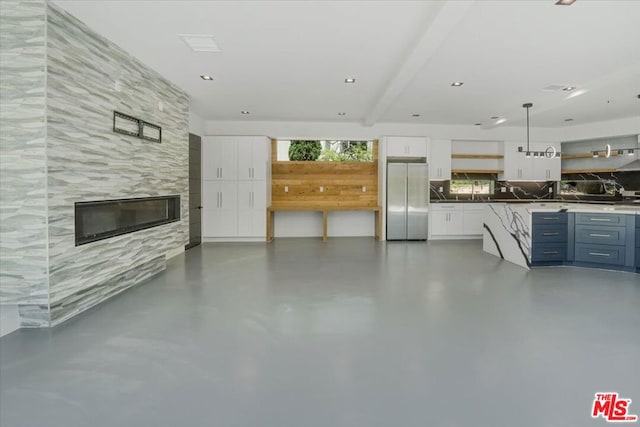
(348, 333)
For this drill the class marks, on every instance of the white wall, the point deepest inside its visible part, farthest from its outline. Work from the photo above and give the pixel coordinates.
(197, 124)
(628, 126)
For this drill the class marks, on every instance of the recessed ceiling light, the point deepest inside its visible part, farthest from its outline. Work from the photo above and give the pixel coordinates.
(568, 120)
(342, 114)
(457, 84)
(206, 77)
(500, 121)
(568, 88)
(200, 42)
(565, 2)
(415, 115)
(245, 112)
(350, 80)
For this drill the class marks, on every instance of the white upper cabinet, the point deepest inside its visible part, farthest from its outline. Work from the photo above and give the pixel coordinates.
(406, 146)
(252, 157)
(439, 160)
(220, 158)
(517, 166)
(545, 168)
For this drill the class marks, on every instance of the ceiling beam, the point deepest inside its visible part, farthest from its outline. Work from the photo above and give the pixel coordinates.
(442, 20)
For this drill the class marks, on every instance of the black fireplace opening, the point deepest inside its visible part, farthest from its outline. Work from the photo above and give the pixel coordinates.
(108, 218)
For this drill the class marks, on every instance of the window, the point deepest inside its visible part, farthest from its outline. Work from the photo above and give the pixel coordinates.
(588, 187)
(471, 186)
(325, 150)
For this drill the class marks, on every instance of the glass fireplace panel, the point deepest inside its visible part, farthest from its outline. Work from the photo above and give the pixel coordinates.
(103, 219)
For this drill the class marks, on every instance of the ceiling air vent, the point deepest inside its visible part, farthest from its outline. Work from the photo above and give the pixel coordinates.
(555, 88)
(200, 42)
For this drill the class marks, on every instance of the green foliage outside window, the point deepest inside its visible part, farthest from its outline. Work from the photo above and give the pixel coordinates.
(303, 150)
(347, 151)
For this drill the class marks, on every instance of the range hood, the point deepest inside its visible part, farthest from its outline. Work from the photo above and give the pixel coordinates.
(630, 167)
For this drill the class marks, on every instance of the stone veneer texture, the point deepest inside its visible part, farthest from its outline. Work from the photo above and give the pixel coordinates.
(23, 208)
(88, 161)
(58, 147)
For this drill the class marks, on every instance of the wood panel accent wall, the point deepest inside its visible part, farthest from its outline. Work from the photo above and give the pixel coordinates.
(342, 182)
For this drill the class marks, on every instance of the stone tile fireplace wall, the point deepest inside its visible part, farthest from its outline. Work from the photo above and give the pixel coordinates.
(23, 243)
(86, 161)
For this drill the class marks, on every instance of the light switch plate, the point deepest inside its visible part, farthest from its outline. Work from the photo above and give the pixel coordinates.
(286, 188)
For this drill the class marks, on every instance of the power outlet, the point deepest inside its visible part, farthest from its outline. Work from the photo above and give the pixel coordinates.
(503, 189)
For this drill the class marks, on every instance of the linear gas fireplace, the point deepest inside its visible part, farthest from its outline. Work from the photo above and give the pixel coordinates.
(107, 218)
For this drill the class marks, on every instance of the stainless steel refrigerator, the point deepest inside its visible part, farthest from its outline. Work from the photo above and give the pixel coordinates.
(407, 199)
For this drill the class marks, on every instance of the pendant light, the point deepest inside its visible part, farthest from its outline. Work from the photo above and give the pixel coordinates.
(549, 152)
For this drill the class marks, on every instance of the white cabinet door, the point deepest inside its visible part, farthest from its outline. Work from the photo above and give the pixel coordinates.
(406, 146)
(210, 158)
(245, 158)
(226, 224)
(439, 160)
(416, 147)
(252, 204)
(455, 224)
(260, 158)
(252, 157)
(446, 219)
(220, 158)
(229, 159)
(220, 209)
(438, 223)
(517, 166)
(544, 168)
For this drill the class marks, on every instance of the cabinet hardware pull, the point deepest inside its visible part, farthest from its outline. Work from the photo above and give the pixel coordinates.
(600, 219)
(550, 234)
(550, 252)
(598, 254)
(550, 218)
(599, 235)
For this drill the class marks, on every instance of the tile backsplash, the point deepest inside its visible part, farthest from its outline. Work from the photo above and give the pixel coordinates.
(516, 190)
(504, 190)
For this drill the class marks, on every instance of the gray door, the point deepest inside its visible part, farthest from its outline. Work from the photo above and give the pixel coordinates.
(396, 201)
(195, 196)
(417, 201)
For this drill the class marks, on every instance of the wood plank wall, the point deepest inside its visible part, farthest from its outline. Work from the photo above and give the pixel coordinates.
(342, 182)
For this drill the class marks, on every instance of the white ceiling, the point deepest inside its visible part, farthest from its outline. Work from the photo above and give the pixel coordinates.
(287, 60)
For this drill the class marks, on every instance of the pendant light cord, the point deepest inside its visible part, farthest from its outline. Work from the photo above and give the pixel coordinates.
(527, 106)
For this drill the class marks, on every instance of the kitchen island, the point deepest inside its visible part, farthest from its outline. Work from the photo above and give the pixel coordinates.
(535, 234)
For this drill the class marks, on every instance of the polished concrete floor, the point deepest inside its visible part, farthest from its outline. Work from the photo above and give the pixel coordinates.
(348, 333)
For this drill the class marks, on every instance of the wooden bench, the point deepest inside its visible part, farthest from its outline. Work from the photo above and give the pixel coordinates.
(325, 213)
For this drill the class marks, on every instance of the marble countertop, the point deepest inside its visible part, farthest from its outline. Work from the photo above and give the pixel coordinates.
(555, 205)
(572, 207)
